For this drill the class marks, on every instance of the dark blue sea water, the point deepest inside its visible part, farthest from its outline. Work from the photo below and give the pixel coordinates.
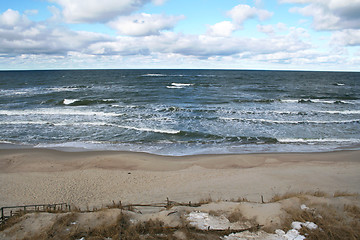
(180, 112)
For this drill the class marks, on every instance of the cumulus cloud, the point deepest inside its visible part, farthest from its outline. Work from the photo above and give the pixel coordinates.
(90, 11)
(10, 19)
(19, 35)
(144, 24)
(239, 14)
(272, 29)
(330, 14)
(348, 37)
(202, 46)
(242, 12)
(267, 29)
(221, 29)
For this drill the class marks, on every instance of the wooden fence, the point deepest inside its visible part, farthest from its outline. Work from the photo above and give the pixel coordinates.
(8, 212)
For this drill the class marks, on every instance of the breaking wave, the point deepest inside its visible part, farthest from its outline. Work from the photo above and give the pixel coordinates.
(85, 102)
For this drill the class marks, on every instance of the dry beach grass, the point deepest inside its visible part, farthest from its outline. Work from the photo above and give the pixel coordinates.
(336, 218)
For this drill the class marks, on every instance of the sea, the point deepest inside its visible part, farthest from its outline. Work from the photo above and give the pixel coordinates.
(180, 112)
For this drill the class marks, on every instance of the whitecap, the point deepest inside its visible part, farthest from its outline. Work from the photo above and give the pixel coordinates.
(294, 122)
(345, 112)
(69, 101)
(289, 100)
(154, 75)
(182, 84)
(174, 87)
(62, 89)
(318, 140)
(168, 131)
(46, 111)
(24, 123)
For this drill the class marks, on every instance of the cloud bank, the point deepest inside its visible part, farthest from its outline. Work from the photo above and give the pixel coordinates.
(150, 39)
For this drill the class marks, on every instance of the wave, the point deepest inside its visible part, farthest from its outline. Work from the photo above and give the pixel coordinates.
(275, 112)
(345, 112)
(257, 112)
(180, 85)
(46, 111)
(12, 92)
(40, 90)
(25, 123)
(318, 140)
(142, 129)
(85, 102)
(201, 137)
(317, 101)
(295, 101)
(63, 89)
(255, 120)
(154, 75)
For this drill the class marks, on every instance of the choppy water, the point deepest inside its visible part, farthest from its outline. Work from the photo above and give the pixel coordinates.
(180, 112)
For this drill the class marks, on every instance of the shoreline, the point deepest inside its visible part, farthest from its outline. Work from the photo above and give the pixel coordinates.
(194, 152)
(37, 176)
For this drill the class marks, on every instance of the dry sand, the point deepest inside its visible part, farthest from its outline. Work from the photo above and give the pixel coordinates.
(39, 176)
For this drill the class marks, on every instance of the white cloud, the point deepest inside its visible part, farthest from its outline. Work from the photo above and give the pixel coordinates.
(242, 12)
(19, 35)
(239, 14)
(330, 14)
(221, 29)
(144, 24)
(302, 58)
(89, 11)
(267, 29)
(11, 19)
(202, 46)
(159, 2)
(348, 37)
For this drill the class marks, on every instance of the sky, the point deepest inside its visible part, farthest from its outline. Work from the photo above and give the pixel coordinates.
(316, 35)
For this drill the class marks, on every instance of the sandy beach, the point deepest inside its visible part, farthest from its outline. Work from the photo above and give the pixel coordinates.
(38, 176)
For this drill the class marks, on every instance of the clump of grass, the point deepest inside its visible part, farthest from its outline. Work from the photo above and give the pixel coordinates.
(205, 201)
(345, 194)
(239, 199)
(279, 197)
(333, 223)
(236, 216)
(18, 217)
(60, 229)
(300, 195)
(352, 210)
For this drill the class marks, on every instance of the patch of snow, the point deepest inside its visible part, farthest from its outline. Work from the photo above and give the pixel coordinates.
(260, 235)
(304, 207)
(204, 221)
(292, 234)
(310, 225)
(296, 225)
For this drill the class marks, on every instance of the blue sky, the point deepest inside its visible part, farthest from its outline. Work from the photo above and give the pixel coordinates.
(227, 34)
